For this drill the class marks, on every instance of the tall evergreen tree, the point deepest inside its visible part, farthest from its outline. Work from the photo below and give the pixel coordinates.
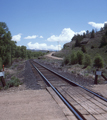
(92, 34)
(5, 43)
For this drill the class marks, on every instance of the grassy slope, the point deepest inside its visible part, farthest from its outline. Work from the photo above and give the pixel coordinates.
(92, 52)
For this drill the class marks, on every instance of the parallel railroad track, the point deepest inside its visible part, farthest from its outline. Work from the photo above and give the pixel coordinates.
(85, 104)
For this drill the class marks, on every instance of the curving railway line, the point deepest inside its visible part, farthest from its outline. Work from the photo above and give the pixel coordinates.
(83, 103)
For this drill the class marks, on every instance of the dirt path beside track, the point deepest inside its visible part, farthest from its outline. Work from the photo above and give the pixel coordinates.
(53, 57)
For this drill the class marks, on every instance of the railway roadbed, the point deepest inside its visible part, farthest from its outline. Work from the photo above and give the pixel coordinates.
(36, 101)
(33, 105)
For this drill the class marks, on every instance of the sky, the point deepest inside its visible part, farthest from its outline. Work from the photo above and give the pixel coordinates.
(49, 24)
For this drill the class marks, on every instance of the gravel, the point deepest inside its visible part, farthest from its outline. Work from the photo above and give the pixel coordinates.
(30, 79)
(78, 79)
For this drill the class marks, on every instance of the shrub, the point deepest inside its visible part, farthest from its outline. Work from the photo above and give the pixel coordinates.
(80, 57)
(88, 68)
(66, 60)
(73, 58)
(87, 60)
(98, 62)
(13, 82)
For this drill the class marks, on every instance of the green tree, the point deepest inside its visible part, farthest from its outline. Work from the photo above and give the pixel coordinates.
(18, 52)
(84, 35)
(92, 34)
(80, 57)
(29, 54)
(23, 51)
(5, 42)
(87, 60)
(98, 62)
(78, 38)
(13, 48)
(105, 26)
(103, 41)
(8, 59)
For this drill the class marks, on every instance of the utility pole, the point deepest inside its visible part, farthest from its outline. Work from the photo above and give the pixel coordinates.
(58, 45)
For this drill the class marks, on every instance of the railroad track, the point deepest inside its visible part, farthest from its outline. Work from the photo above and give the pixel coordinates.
(85, 104)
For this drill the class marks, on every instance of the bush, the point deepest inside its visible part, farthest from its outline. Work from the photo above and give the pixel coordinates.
(66, 60)
(13, 82)
(88, 68)
(98, 62)
(80, 57)
(87, 60)
(0, 63)
(73, 58)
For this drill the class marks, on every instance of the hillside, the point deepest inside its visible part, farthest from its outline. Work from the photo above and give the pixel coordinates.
(92, 45)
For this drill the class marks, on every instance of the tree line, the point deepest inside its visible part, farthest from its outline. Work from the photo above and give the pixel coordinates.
(78, 57)
(9, 49)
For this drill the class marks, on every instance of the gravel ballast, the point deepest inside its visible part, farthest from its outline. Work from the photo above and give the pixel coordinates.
(78, 79)
(30, 80)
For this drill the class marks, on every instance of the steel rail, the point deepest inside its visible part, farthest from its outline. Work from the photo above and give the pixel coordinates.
(58, 93)
(74, 83)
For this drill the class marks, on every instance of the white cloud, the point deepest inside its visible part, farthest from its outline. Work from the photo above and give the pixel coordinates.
(41, 36)
(97, 25)
(43, 46)
(31, 37)
(81, 32)
(17, 37)
(65, 36)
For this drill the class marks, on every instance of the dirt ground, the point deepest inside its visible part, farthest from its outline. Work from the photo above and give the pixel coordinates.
(52, 57)
(30, 105)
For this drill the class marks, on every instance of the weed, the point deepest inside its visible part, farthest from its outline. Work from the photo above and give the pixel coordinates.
(86, 74)
(13, 82)
(88, 68)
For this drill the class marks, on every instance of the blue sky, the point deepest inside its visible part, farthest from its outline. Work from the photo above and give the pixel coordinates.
(45, 24)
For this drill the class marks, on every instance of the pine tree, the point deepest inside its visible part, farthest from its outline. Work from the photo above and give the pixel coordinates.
(92, 34)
